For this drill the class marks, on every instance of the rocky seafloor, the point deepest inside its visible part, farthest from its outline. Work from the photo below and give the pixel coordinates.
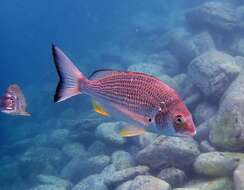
(203, 59)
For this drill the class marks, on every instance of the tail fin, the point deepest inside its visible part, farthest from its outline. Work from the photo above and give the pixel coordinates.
(70, 77)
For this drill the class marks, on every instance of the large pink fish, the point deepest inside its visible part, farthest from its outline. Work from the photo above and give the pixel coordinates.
(140, 99)
(13, 101)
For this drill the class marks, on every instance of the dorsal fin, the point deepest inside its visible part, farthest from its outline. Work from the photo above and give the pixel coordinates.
(100, 73)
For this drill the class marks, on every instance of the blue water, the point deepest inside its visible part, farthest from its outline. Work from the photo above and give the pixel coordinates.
(95, 35)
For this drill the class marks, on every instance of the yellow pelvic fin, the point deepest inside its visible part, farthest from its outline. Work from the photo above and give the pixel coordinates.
(99, 109)
(131, 131)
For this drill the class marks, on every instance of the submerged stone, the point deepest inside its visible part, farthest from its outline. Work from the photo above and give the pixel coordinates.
(214, 164)
(169, 152)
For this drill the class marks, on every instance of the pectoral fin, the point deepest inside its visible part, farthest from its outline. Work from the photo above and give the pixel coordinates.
(99, 109)
(131, 131)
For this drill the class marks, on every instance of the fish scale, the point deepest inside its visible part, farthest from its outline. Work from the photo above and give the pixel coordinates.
(140, 93)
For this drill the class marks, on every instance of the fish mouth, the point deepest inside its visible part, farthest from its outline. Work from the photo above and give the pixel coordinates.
(190, 133)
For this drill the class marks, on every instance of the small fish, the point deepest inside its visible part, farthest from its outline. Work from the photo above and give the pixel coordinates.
(13, 101)
(140, 99)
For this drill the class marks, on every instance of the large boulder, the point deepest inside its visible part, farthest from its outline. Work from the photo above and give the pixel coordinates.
(175, 177)
(122, 160)
(41, 160)
(214, 164)
(79, 168)
(124, 175)
(218, 16)
(227, 129)
(91, 182)
(239, 177)
(186, 47)
(53, 180)
(169, 151)
(109, 133)
(212, 72)
(97, 148)
(74, 150)
(144, 182)
(211, 184)
(203, 112)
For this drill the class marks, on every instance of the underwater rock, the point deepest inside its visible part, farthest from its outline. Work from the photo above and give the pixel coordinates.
(214, 164)
(38, 160)
(108, 171)
(150, 69)
(59, 137)
(9, 172)
(237, 47)
(169, 152)
(79, 168)
(119, 177)
(53, 180)
(92, 182)
(143, 182)
(227, 129)
(74, 149)
(41, 140)
(203, 112)
(146, 139)
(218, 16)
(48, 187)
(186, 47)
(109, 133)
(239, 176)
(205, 146)
(212, 72)
(169, 65)
(124, 186)
(240, 61)
(173, 176)
(122, 160)
(211, 184)
(203, 131)
(97, 148)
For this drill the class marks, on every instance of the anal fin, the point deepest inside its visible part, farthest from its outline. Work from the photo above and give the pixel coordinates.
(99, 109)
(131, 131)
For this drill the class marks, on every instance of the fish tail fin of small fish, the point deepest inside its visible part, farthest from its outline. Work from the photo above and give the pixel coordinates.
(25, 113)
(131, 131)
(99, 109)
(71, 79)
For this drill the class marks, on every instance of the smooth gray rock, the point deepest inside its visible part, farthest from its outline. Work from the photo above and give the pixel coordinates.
(144, 182)
(169, 151)
(97, 148)
(205, 146)
(53, 180)
(151, 69)
(227, 128)
(119, 177)
(146, 139)
(122, 160)
(48, 187)
(59, 137)
(219, 16)
(213, 72)
(240, 61)
(203, 112)
(214, 164)
(173, 176)
(79, 168)
(237, 47)
(74, 149)
(239, 176)
(202, 131)
(109, 133)
(38, 160)
(91, 182)
(124, 186)
(186, 47)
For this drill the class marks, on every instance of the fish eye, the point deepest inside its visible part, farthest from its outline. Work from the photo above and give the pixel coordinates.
(179, 120)
(150, 119)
